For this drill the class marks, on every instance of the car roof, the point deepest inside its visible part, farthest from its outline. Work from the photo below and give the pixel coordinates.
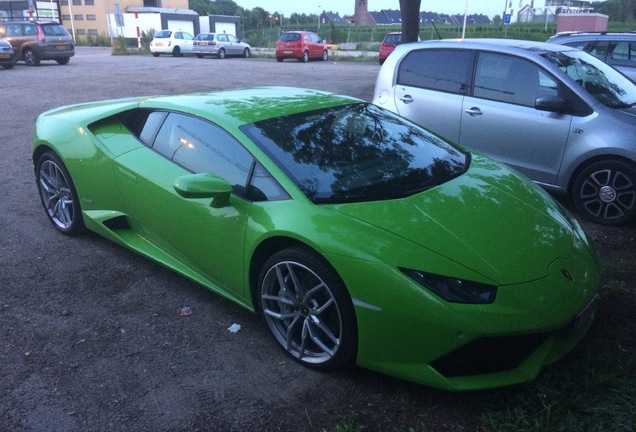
(243, 106)
(501, 45)
(594, 35)
(39, 22)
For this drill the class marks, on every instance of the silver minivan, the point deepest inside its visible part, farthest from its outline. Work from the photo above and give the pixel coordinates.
(557, 114)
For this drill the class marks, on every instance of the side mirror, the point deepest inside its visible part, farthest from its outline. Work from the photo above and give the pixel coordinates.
(551, 104)
(204, 185)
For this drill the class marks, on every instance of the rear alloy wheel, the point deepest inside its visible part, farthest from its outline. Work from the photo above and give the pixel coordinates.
(325, 55)
(605, 192)
(31, 58)
(176, 52)
(58, 194)
(246, 53)
(307, 308)
(305, 57)
(221, 53)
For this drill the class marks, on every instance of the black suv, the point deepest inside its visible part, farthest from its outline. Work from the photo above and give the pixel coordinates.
(34, 41)
(615, 49)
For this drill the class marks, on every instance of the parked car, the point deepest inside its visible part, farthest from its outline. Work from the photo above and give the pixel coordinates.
(171, 42)
(302, 45)
(34, 41)
(615, 49)
(356, 234)
(557, 114)
(7, 55)
(220, 45)
(390, 41)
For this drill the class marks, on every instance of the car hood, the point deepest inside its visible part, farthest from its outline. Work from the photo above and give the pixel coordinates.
(490, 220)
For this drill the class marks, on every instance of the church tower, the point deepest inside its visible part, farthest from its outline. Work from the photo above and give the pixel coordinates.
(361, 15)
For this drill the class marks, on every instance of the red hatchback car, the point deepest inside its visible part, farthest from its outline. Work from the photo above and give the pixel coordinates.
(302, 45)
(390, 41)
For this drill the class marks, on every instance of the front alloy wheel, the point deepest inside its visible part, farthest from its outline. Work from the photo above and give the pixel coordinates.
(605, 192)
(58, 194)
(307, 308)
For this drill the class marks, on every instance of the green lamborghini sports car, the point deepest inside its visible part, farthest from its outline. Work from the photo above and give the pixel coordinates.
(357, 235)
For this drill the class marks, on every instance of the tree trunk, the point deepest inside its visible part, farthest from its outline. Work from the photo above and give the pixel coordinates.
(410, 10)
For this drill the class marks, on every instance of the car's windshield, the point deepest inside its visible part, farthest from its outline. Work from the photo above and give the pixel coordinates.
(163, 34)
(603, 82)
(356, 153)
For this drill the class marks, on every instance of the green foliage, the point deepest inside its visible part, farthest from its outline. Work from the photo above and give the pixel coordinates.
(119, 46)
(92, 40)
(146, 38)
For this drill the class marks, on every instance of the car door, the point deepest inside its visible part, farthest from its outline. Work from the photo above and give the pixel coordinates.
(207, 239)
(185, 41)
(221, 41)
(500, 120)
(234, 46)
(430, 88)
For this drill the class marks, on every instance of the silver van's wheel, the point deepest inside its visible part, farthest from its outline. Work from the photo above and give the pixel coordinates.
(605, 192)
(307, 308)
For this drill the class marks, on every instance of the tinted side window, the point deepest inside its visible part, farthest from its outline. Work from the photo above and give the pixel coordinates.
(200, 147)
(624, 52)
(600, 49)
(442, 70)
(510, 79)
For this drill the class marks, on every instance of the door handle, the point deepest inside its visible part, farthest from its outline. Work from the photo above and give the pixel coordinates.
(473, 112)
(407, 99)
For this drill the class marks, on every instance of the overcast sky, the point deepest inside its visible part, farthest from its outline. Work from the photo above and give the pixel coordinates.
(346, 7)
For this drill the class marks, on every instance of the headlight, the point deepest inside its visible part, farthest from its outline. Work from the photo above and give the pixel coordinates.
(454, 290)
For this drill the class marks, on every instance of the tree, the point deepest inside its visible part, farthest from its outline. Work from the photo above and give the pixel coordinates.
(410, 10)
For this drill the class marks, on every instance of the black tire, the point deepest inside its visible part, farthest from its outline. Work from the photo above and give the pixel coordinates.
(246, 53)
(305, 57)
(63, 60)
(155, 54)
(176, 52)
(307, 308)
(279, 59)
(58, 194)
(200, 55)
(8, 66)
(325, 55)
(221, 53)
(605, 192)
(30, 57)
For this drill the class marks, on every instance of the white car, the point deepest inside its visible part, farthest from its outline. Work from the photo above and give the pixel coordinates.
(171, 42)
